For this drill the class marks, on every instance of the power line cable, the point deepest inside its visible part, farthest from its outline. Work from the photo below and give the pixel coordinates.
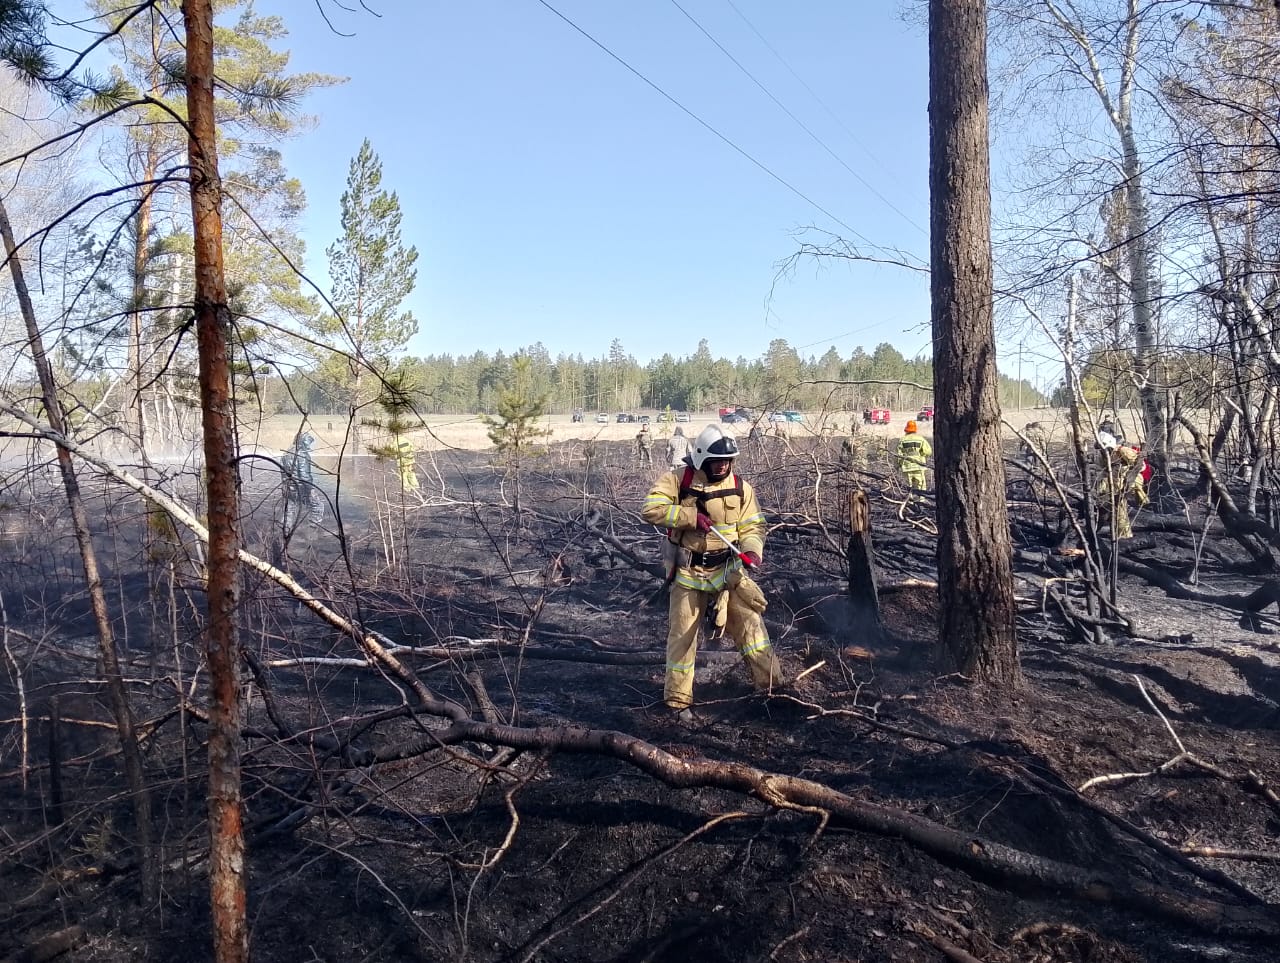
(835, 337)
(801, 124)
(760, 164)
(814, 94)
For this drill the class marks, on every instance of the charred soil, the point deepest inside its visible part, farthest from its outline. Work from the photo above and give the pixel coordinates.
(1120, 806)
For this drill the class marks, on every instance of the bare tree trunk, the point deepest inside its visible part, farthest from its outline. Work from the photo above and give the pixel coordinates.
(120, 708)
(137, 373)
(975, 579)
(1095, 586)
(213, 323)
(1139, 243)
(1146, 342)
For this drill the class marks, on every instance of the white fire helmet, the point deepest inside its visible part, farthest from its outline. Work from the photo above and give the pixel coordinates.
(1107, 441)
(713, 442)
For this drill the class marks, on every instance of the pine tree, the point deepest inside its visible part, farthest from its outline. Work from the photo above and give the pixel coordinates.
(975, 584)
(515, 428)
(372, 273)
(256, 100)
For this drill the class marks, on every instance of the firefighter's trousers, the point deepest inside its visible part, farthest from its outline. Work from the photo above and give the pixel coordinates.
(914, 478)
(744, 625)
(1123, 524)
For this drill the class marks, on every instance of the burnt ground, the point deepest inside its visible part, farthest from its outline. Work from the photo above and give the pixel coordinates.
(399, 848)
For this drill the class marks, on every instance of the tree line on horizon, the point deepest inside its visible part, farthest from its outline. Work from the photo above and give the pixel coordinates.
(700, 381)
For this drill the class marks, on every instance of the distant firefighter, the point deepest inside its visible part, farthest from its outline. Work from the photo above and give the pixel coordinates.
(301, 497)
(405, 460)
(1130, 470)
(914, 452)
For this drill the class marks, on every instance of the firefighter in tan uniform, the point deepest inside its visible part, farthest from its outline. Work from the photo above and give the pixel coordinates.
(1123, 466)
(688, 501)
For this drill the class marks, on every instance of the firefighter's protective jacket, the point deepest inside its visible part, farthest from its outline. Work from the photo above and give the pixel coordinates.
(732, 507)
(1126, 464)
(913, 452)
(405, 455)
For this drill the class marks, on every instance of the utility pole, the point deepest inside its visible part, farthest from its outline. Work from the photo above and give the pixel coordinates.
(1020, 346)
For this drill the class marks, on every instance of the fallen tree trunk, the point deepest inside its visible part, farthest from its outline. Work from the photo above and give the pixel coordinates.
(374, 644)
(1256, 600)
(1251, 533)
(497, 650)
(980, 857)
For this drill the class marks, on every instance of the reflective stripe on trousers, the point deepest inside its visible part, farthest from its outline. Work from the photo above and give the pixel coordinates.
(744, 625)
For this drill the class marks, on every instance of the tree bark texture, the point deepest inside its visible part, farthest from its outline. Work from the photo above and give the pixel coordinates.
(975, 581)
(213, 323)
(121, 711)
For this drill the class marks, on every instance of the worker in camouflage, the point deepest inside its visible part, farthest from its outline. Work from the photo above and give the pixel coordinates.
(644, 446)
(301, 497)
(677, 449)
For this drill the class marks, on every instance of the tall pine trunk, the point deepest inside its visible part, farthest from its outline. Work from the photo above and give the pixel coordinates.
(975, 580)
(213, 326)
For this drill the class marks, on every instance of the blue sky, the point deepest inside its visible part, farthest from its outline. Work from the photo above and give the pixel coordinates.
(554, 196)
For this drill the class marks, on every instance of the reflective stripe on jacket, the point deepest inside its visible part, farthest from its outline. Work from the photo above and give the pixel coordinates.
(737, 517)
(912, 452)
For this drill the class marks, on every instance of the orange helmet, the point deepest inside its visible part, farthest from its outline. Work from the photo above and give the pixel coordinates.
(911, 427)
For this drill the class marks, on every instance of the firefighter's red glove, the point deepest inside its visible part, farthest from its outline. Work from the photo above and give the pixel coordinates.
(752, 560)
(704, 522)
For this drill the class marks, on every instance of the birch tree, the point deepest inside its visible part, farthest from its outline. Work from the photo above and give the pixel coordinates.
(1101, 46)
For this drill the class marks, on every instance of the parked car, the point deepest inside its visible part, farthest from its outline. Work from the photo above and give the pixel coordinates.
(925, 414)
(602, 418)
(875, 416)
(644, 419)
(577, 415)
(683, 416)
(777, 416)
(625, 418)
(664, 416)
(793, 415)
